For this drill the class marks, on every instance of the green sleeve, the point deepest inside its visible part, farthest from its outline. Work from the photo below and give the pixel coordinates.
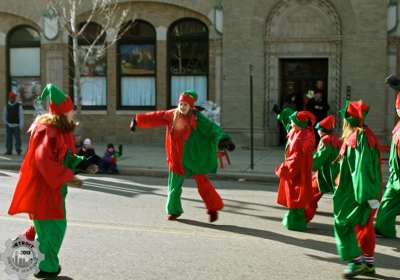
(72, 161)
(321, 156)
(210, 129)
(394, 167)
(365, 172)
(283, 117)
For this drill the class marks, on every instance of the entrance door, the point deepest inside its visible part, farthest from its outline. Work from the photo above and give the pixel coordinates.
(297, 78)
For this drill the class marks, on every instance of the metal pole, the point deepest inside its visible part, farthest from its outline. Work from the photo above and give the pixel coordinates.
(251, 119)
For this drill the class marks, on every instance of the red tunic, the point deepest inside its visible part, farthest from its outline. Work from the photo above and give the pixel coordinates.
(295, 190)
(174, 138)
(42, 174)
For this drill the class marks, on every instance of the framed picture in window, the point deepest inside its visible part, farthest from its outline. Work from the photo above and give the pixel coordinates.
(27, 88)
(137, 59)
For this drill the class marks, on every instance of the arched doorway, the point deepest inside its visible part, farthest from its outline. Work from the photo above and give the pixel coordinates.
(302, 53)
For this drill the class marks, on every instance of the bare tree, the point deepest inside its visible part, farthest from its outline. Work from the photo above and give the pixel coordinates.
(107, 12)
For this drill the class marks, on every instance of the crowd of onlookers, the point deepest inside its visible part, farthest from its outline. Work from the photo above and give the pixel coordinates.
(107, 164)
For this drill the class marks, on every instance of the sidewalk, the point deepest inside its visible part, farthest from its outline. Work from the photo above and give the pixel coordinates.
(149, 160)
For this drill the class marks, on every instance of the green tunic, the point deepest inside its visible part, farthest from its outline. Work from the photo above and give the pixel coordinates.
(360, 181)
(200, 150)
(390, 204)
(324, 161)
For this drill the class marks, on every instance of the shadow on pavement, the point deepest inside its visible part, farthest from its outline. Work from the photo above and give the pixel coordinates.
(383, 260)
(60, 278)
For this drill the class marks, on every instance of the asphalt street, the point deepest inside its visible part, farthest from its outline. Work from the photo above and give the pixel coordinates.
(117, 230)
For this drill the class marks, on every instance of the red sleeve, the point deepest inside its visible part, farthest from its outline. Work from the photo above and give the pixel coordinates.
(293, 162)
(153, 119)
(49, 157)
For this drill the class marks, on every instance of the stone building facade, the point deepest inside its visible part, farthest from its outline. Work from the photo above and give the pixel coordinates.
(291, 44)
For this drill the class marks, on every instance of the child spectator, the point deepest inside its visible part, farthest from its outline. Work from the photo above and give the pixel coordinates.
(109, 160)
(88, 152)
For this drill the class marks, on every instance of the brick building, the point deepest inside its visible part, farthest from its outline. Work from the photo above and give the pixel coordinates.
(293, 45)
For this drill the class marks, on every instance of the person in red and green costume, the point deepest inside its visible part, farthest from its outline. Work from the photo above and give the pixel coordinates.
(294, 191)
(191, 144)
(324, 163)
(48, 166)
(357, 195)
(385, 224)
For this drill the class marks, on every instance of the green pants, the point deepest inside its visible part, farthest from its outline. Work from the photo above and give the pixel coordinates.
(50, 234)
(389, 209)
(174, 205)
(295, 219)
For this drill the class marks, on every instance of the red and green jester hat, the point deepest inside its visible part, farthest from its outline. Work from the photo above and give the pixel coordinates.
(389, 209)
(294, 190)
(359, 186)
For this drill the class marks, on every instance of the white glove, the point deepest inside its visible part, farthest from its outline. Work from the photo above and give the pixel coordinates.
(373, 203)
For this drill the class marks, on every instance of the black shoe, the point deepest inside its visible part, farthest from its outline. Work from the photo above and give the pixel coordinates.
(7, 154)
(44, 275)
(213, 216)
(19, 152)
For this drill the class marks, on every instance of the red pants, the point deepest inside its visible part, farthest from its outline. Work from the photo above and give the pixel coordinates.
(210, 196)
(366, 236)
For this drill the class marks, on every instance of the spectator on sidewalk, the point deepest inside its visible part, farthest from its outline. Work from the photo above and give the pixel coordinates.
(13, 119)
(88, 152)
(109, 160)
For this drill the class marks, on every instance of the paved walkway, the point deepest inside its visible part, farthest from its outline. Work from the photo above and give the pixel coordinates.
(149, 160)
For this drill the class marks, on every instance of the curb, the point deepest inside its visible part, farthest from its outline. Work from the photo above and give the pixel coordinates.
(150, 172)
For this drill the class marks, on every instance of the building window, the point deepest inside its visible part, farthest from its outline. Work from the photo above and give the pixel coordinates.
(188, 59)
(93, 69)
(137, 66)
(23, 43)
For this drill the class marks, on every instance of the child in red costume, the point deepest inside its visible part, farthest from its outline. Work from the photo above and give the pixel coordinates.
(294, 191)
(48, 166)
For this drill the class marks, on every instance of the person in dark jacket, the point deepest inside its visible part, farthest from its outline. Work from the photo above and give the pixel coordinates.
(13, 119)
(89, 153)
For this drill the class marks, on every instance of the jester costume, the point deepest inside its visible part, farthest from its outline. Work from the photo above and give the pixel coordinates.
(41, 190)
(324, 163)
(294, 191)
(191, 148)
(385, 224)
(357, 194)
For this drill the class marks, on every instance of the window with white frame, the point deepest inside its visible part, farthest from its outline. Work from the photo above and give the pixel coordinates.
(93, 67)
(23, 44)
(137, 66)
(188, 49)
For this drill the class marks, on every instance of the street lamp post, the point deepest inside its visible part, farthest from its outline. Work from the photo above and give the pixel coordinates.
(251, 119)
